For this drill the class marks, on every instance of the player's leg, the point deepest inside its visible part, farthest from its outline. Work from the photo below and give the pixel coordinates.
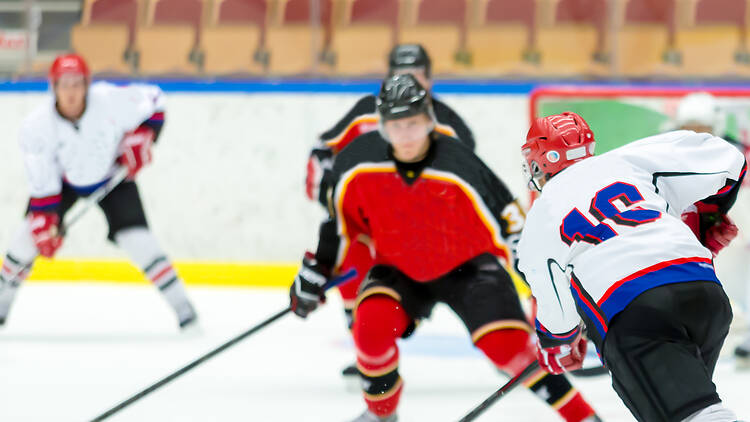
(483, 296)
(129, 230)
(359, 258)
(662, 348)
(21, 254)
(385, 311)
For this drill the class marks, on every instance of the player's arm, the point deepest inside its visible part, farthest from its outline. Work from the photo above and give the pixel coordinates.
(143, 113)
(331, 142)
(44, 175)
(700, 175)
(336, 235)
(561, 346)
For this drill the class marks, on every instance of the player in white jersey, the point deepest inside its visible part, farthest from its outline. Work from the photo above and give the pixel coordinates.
(605, 247)
(71, 146)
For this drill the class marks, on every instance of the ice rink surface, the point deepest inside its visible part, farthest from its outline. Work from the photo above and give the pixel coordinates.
(71, 350)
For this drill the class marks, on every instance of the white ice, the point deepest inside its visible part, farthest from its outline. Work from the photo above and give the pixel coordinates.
(72, 350)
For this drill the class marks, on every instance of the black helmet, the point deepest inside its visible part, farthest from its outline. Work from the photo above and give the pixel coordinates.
(409, 55)
(402, 96)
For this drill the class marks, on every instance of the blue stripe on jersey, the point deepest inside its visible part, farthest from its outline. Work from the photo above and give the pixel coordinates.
(677, 273)
(86, 190)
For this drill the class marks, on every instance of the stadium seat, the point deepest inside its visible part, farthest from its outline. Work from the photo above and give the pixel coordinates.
(102, 45)
(571, 35)
(500, 34)
(709, 43)
(168, 40)
(646, 37)
(230, 42)
(439, 25)
(365, 35)
(106, 33)
(293, 43)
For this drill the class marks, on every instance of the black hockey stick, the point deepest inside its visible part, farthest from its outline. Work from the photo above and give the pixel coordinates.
(514, 382)
(169, 378)
(75, 214)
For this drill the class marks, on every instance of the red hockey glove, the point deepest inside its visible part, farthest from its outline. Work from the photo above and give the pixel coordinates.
(562, 358)
(308, 288)
(319, 161)
(713, 229)
(135, 150)
(45, 232)
(720, 235)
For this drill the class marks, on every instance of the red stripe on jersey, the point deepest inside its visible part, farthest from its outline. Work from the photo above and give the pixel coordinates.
(647, 270)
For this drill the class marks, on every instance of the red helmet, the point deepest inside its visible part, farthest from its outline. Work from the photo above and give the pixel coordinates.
(68, 63)
(555, 143)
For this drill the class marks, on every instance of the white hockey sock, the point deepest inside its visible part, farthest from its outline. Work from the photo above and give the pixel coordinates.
(21, 253)
(714, 413)
(144, 250)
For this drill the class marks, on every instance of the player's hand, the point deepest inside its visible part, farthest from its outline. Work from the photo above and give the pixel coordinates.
(720, 235)
(135, 150)
(45, 231)
(562, 358)
(319, 161)
(308, 288)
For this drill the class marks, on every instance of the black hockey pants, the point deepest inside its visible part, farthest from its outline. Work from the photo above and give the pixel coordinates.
(662, 350)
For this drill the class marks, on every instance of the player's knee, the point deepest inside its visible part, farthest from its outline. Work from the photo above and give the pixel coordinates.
(378, 321)
(511, 350)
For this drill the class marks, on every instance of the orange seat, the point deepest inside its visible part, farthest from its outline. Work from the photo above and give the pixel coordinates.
(166, 49)
(230, 49)
(362, 40)
(103, 46)
(709, 46)
(439, 27)
(230, 43)
(645, 38)
(293, 43)
(568, 43)
(500, 35)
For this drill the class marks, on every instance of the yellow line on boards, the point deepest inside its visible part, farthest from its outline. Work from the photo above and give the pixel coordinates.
(194, 273)
(201, 273)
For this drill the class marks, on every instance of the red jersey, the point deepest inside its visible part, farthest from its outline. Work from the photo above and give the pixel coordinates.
(426, 218)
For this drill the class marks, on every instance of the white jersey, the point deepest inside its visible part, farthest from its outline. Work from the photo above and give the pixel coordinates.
(608, 228)
(83, 154)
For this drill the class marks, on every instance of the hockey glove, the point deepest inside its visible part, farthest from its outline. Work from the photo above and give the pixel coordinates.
(563, 357)
(320, 160)
(308, 288)
(135, 150)
(45, 231)
(712, 228)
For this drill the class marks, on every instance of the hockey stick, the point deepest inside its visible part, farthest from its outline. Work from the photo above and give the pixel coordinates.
(231, 342)
(514, 382)
(71, 218)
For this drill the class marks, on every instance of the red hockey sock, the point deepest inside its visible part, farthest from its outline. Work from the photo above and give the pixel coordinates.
(378, 321)
(511, 349)
(576, 409)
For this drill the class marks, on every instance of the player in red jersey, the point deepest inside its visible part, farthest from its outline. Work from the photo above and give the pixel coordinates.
(440, 225)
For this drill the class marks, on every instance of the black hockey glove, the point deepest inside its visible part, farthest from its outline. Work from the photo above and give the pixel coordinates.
(307, 291)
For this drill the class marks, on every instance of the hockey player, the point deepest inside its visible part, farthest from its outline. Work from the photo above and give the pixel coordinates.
(700, 112)
(438, 221)
(364, 118)
(605, 244)
(71, 145)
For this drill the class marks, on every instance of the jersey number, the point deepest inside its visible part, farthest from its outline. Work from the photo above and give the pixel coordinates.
(577, 228)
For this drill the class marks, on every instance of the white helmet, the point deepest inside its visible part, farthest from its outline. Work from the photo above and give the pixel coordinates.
(700, 109)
